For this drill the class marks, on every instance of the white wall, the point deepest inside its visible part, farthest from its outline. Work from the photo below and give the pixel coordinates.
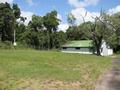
(106, 50)
(110, 52)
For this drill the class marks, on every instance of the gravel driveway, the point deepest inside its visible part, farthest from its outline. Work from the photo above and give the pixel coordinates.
(111, 79)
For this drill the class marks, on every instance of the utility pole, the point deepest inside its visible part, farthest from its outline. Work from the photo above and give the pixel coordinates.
(14, 43)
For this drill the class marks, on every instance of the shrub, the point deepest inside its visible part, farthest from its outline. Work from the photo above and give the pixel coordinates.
(6, 45)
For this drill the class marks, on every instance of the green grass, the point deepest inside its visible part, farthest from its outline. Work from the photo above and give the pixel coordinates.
(23, 69)
(117, 55)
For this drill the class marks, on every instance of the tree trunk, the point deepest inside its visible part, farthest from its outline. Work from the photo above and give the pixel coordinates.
(98, 50)
(48, 40)
(3, 35)
(98, 43)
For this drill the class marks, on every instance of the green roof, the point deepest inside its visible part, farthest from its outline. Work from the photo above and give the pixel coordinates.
(81, 43)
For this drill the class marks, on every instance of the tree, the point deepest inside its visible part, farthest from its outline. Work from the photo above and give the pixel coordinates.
(51, 23)
(104, 28)
(41, 29)
(8, 16)
(71, 20)
(59, 39)
(97, 31)
(73, 32)
(34, 34)
(114, 25)
(6, 22)
(36, 23)
(77, 33)
(16, 11)
(20, 29)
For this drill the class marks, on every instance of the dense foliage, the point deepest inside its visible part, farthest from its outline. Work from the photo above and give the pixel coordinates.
(42, 31)
(105, 27)
(8, 15)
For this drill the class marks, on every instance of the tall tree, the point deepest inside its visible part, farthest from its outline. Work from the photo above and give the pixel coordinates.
(114, 24)
(20, 29)
(71, 20)
(16, 11)
(38, 32)
(36, 23)
(6, 22)
(8, 16)
(34, 34)
(80, 32)
(59, 39)
(97, 31)
(51, 23)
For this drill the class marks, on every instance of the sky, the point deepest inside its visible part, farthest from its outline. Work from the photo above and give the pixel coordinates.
(77, 7)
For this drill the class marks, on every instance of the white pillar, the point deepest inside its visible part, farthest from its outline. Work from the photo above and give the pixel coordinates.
(15, 44)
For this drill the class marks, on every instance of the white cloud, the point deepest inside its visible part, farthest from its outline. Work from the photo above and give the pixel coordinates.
(59, 16)
(30, 2)
(3, 1)
(83, 3)
(79, 13)
(28, 15)
(63, 27)
(114, 10)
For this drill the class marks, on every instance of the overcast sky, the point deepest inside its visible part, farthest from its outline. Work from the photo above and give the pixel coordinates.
(77, 7)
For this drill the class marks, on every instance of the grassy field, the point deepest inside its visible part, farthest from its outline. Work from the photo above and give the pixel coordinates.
(117, 55)
(49, 70)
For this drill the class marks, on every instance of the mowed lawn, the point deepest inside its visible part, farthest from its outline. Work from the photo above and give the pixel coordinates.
(49, 70)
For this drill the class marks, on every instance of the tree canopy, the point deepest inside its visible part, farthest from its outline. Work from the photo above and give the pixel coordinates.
(42, 31)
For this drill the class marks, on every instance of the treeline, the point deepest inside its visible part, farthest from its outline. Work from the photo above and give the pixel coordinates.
(42, 31)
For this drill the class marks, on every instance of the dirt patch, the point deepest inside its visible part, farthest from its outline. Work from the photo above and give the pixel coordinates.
(36, 84)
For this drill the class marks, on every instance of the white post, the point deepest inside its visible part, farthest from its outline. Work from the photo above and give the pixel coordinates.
(15, 44)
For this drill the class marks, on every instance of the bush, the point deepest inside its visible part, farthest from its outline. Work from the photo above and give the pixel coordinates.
(21, 46)
(9, 45)
(6, 45)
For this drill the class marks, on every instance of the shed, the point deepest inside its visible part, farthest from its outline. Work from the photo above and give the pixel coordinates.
(85, 47)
